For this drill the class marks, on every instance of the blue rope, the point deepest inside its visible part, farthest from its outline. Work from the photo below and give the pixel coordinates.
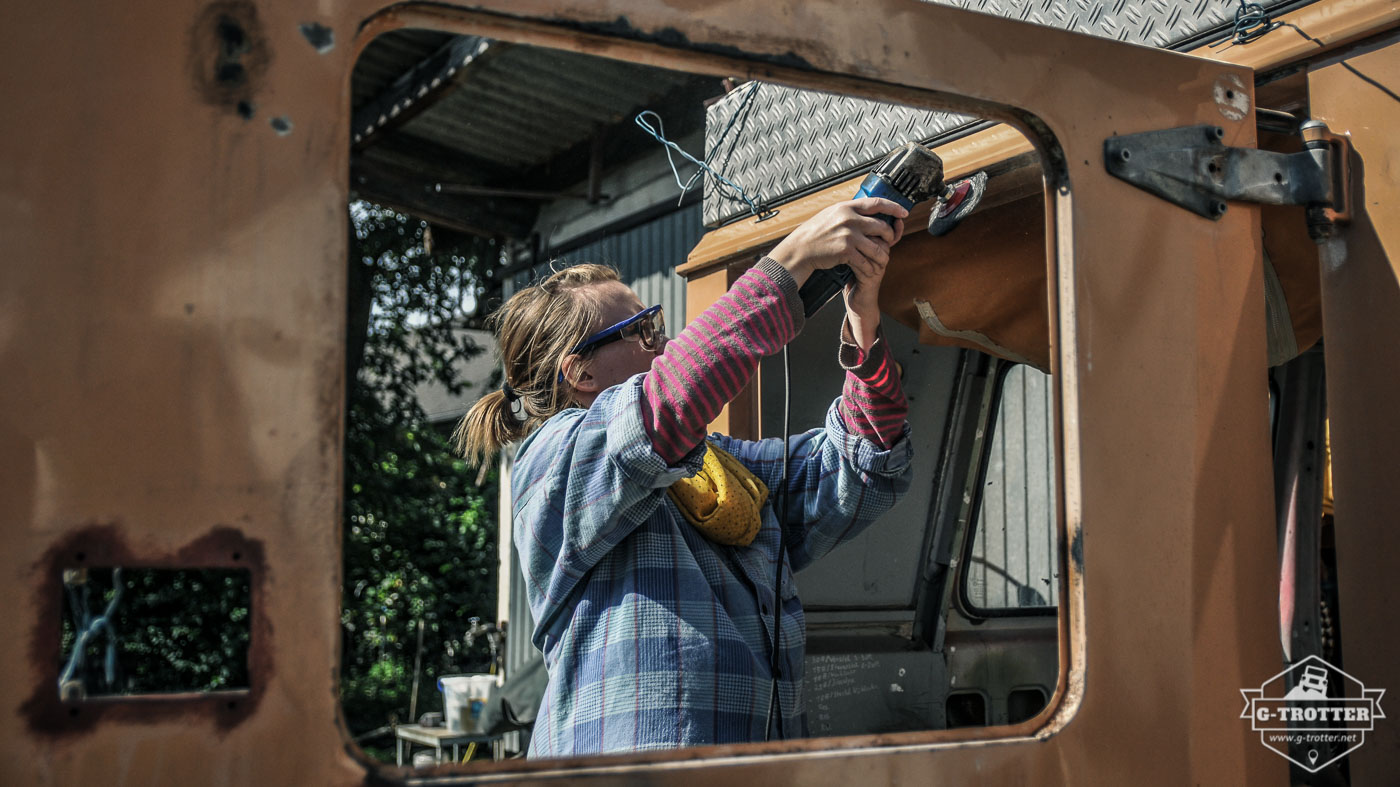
(658, 132)
(89, 627)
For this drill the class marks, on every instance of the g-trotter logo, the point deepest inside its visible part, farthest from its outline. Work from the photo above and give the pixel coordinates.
(1325, 714)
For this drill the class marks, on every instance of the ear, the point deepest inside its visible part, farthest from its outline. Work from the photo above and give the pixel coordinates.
(576, 375)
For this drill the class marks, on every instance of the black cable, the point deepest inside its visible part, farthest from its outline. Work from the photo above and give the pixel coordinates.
(780, 513)
(1251, 22)
(1348, 66)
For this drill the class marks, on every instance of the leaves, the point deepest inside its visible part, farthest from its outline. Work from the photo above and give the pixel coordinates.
(419, 533)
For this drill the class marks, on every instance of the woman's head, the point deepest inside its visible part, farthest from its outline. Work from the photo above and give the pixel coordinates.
(535, 331)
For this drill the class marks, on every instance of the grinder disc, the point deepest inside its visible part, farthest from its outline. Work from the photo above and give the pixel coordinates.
(962, 198)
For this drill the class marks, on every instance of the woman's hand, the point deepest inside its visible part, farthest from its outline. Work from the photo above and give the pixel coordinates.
(845, 233)
(862, 294)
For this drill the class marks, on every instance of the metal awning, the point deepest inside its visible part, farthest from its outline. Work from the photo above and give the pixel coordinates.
(474, 134)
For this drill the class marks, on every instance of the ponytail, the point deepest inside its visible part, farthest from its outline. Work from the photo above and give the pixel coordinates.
(535, 329)
(487, 427)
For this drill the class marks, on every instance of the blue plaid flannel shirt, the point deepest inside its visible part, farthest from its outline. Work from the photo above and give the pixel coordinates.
(655, 637)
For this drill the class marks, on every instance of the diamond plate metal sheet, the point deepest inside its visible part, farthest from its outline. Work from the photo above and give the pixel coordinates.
(787, 141)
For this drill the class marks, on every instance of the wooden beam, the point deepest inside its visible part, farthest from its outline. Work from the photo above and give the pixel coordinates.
(1006, 156)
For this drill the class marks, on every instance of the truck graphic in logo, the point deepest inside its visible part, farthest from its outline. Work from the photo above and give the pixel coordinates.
(1312, 713)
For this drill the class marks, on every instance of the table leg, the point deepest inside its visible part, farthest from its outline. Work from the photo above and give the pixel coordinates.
(399, 746)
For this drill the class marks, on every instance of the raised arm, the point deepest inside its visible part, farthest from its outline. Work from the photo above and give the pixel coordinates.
(707, 365)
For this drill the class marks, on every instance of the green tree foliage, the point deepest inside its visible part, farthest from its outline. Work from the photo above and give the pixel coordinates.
(171, 630)
(420, 532)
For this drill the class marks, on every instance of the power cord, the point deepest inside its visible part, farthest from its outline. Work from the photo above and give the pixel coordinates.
(780, 500)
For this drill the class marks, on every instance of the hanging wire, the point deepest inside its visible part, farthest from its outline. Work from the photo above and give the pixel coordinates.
(71, 680)
(1251, 22)
(658, 132)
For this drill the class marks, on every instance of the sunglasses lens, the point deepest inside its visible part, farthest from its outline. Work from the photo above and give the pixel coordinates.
(653, 328)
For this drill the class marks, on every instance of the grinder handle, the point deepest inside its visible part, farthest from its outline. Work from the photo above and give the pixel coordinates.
(823, 285)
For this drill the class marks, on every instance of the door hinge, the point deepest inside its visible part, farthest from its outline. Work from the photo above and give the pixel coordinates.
(1193, 168)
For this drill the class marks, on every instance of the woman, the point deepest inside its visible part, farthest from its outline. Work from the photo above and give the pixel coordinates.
(649, 552)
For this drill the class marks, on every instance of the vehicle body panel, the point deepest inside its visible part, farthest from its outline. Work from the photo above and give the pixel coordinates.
(172, 327)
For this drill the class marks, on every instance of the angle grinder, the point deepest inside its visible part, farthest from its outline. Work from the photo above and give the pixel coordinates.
(908, 176)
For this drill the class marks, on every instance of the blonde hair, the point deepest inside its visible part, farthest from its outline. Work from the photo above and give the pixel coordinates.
(535, 329)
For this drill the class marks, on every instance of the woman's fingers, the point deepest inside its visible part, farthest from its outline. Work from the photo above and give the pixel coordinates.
(871, 255)
(874, 227)
(840, 233)
(870, 206)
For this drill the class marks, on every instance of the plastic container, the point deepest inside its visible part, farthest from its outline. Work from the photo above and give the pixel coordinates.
(466, 700)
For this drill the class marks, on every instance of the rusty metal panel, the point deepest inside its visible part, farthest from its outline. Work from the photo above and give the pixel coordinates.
(786, 140)
(1356, 96)
(171, 325)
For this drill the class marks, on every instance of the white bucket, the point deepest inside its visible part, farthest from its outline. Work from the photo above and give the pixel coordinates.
(465, 701)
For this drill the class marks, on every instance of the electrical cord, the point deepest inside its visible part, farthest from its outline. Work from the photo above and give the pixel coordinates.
(780, 500)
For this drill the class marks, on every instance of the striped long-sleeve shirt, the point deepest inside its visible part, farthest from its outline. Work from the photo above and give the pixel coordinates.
(653, 636)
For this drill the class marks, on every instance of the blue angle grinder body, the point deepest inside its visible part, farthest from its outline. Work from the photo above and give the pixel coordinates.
(908, 176)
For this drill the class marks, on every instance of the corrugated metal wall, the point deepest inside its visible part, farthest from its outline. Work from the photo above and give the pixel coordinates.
(646, 255)
(1013, 553)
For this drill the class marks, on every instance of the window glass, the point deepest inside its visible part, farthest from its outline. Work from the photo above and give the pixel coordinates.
(1013, 562)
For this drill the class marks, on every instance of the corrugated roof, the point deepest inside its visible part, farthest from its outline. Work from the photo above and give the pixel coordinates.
(505, 113)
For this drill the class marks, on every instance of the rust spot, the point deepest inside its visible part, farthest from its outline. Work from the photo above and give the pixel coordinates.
(228, 55)
(622, 27)
(102, 545)
(318, 35)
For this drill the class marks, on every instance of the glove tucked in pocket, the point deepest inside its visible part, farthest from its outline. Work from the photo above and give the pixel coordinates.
(723, 500)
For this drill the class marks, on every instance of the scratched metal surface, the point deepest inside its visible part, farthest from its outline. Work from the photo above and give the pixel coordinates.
(788, 140)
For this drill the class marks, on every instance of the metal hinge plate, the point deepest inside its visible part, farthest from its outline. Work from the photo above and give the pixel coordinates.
(1191, 167)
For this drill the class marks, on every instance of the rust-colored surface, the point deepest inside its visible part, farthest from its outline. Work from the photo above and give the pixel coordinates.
(740, 417)
(988, 274)
(171, 326)
(1361, 317)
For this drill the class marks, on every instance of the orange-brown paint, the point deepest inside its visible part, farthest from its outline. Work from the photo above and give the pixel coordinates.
(171, 326)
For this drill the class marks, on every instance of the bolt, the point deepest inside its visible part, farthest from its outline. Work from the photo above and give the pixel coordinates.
(1125, 154)
(1217, 132)
(1218, 208)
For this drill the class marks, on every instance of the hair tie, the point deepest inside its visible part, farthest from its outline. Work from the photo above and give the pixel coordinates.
(513, 403)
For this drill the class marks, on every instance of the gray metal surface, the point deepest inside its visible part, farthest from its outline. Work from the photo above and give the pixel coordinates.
(791, 140)
(646, 255)
(880, 568)
(527, 104)
(1013, 561)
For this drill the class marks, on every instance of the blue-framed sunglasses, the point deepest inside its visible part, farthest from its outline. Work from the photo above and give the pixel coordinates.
(647, 327)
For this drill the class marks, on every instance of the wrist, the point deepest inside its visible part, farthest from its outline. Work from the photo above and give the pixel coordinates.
(863, 327)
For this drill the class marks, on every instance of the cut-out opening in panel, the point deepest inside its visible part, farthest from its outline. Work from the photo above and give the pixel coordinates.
(1024, 704)
(130, 632)
(966, 709)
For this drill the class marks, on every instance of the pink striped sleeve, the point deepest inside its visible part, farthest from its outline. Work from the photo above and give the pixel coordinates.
(872, 401)
(710, 361)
